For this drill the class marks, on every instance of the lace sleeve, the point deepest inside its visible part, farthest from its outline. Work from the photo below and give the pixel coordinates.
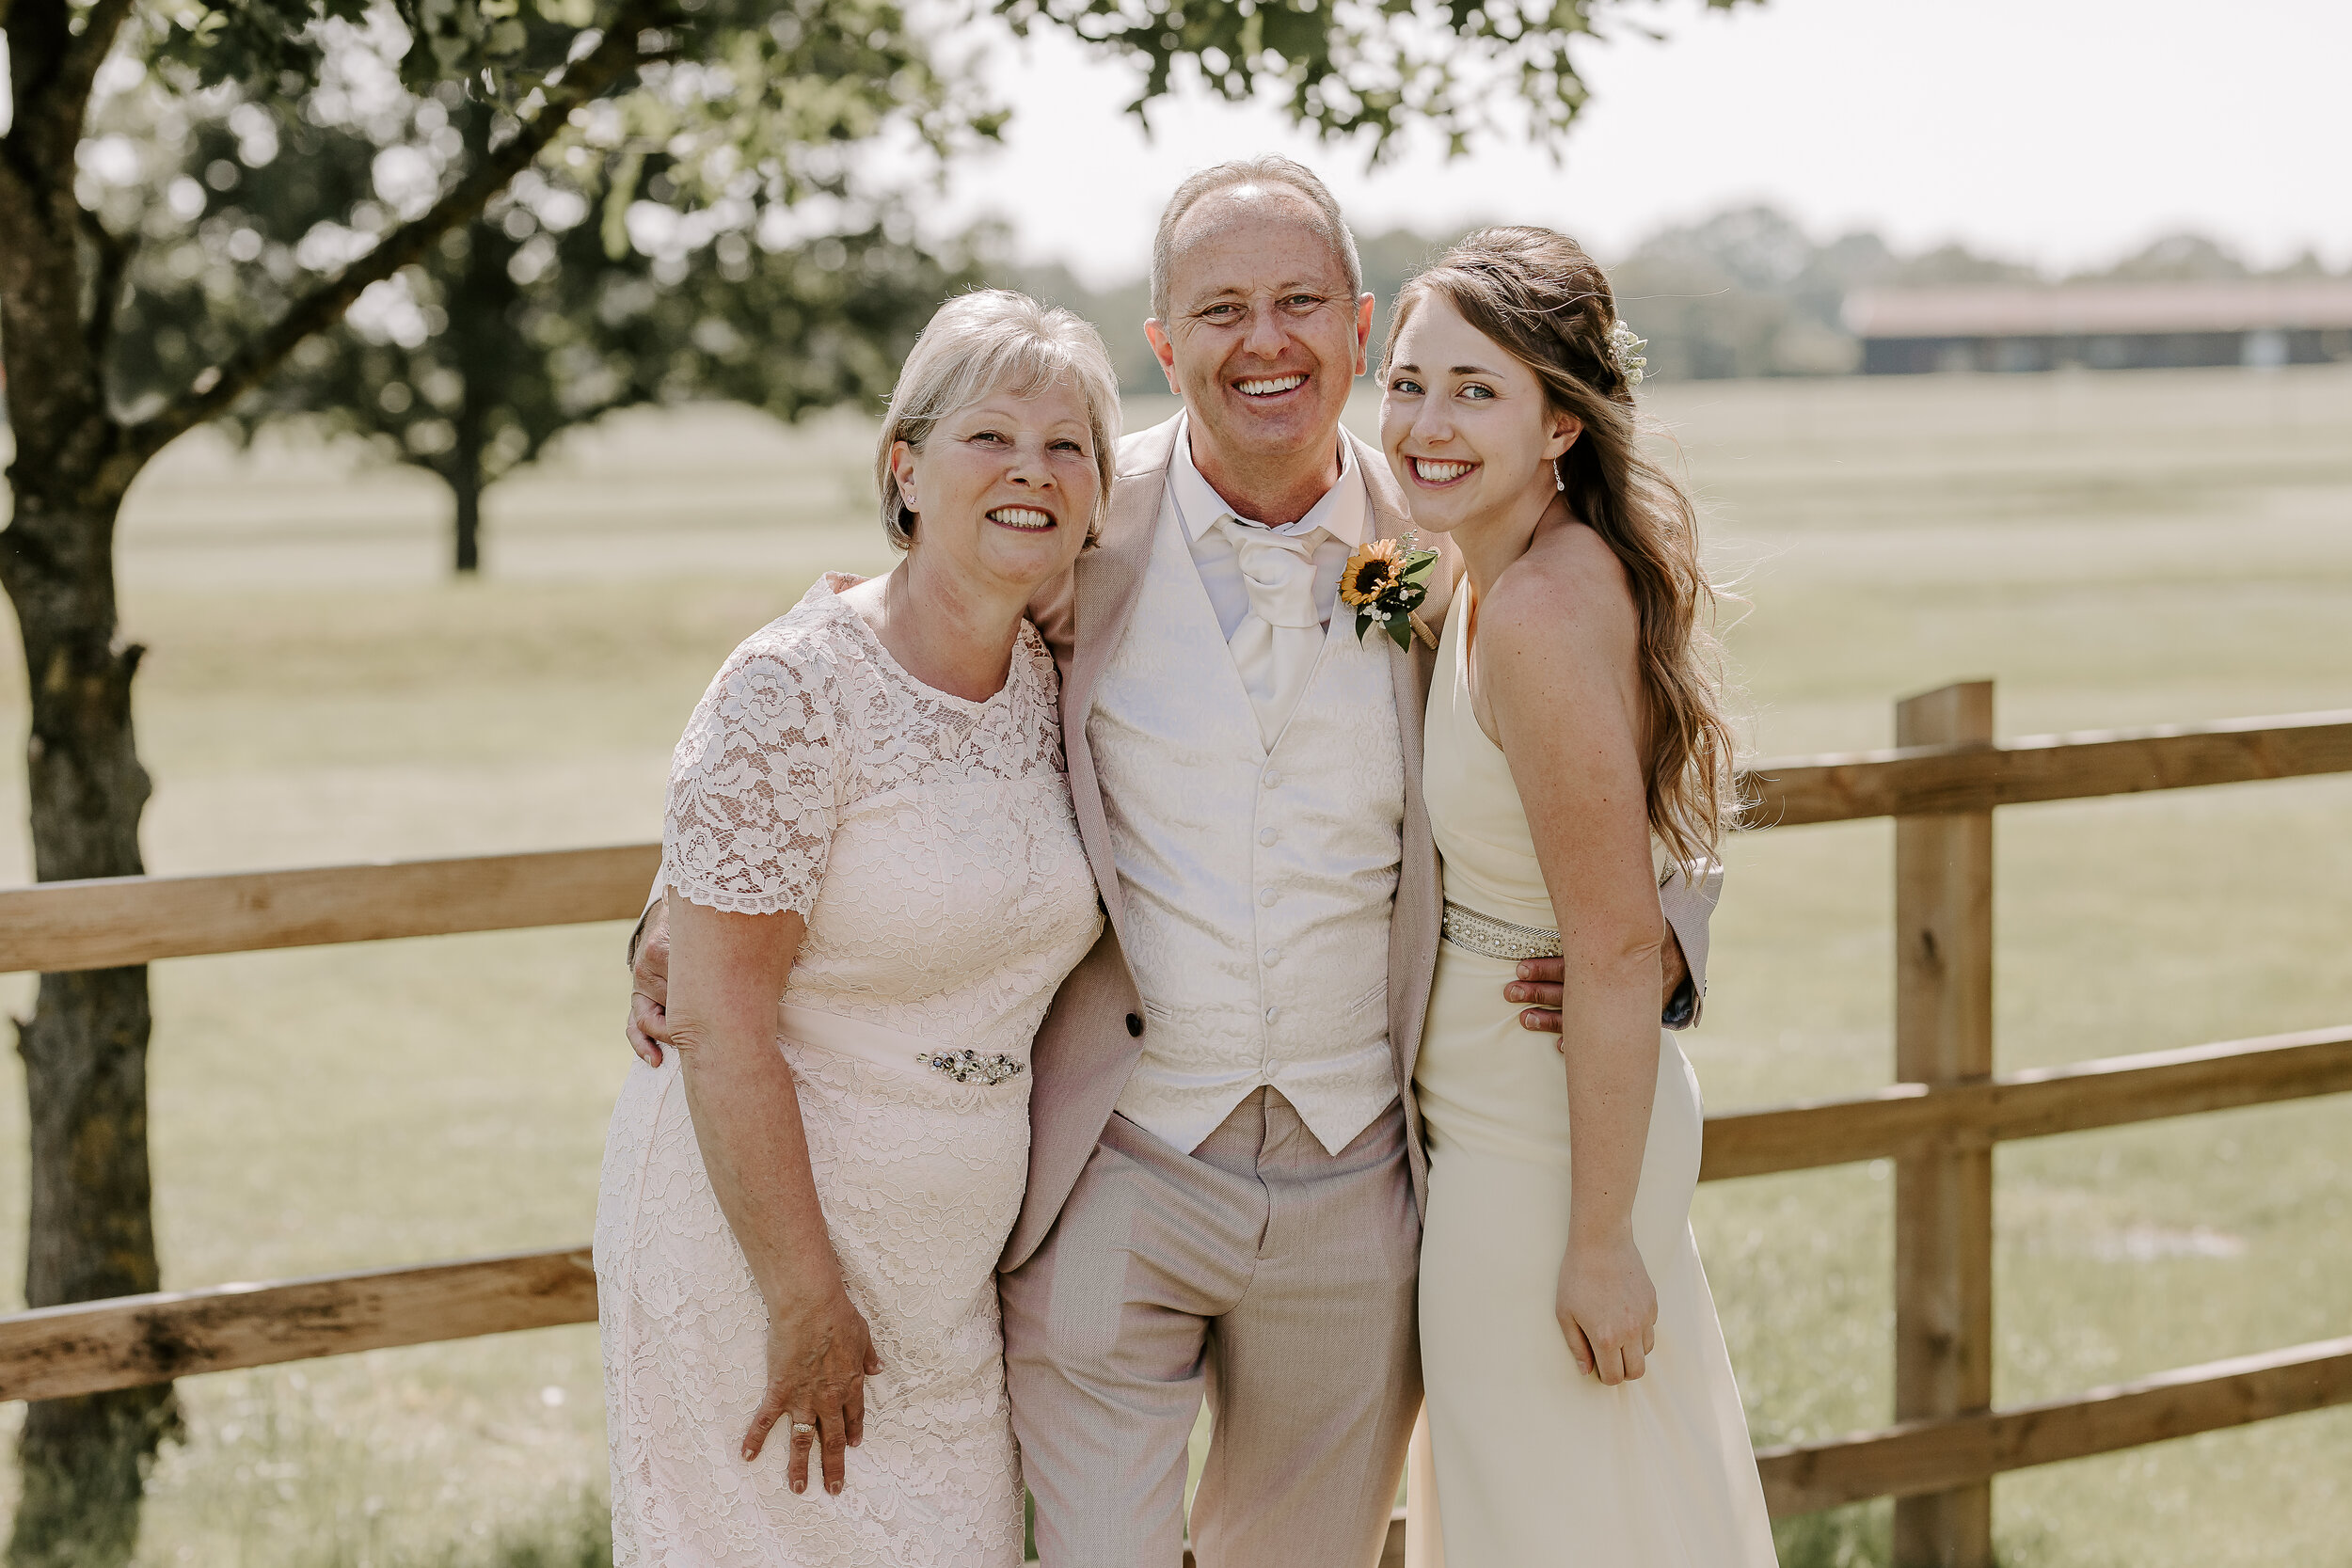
(755, 785)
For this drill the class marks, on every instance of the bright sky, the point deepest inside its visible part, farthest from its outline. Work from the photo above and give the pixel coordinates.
(2060, 131)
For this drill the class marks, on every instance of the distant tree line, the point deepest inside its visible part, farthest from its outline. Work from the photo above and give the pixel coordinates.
(1745, 293)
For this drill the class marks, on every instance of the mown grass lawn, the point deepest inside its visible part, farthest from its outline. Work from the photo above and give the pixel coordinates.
(2111, 549)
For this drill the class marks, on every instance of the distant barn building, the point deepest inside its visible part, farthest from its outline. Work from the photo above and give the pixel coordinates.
(2101, 325)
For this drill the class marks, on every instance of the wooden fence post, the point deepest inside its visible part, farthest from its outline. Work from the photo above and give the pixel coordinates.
(1944, 1199)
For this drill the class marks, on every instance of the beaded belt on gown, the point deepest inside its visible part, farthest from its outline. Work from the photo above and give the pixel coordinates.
(1475, 932)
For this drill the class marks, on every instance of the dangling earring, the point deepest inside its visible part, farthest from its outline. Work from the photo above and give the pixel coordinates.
(1557, 483)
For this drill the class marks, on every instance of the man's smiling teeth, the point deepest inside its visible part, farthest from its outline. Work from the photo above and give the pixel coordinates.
(1022, 516)
(1273, 384)
(1439, 473)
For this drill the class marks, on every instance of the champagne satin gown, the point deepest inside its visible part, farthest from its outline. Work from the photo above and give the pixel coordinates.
(1523, 1461)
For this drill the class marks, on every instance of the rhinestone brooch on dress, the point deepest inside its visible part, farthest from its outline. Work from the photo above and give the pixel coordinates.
(970, 1067)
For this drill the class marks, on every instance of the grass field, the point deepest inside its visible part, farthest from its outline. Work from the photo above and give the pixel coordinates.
(2113, 549)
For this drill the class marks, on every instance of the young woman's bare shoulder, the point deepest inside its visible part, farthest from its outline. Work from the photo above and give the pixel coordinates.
(1568, 594)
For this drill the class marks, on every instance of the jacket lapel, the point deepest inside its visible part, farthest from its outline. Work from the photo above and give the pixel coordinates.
(1105, 585)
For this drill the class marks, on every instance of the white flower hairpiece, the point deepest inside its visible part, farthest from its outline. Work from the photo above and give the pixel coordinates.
(1625, 352)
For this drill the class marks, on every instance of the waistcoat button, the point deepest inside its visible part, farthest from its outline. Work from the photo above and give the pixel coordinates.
(1273, 1013)
(1265, 835)
(1266, 897)
(1272, 778)
(1272, 954)
(1134, 1023)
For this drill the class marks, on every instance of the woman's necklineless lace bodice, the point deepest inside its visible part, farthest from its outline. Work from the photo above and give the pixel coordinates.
(949, 881)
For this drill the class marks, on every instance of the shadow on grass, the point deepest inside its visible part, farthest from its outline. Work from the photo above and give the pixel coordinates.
(1856, 1537)
(1862, 1536)
(583, 1539)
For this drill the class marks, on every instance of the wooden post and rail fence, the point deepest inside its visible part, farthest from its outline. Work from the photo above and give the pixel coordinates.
(1939, 1122)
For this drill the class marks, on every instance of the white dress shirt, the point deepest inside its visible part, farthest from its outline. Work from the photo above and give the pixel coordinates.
(1340, 519)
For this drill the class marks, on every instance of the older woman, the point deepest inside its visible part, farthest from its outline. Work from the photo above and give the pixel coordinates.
(874, 887)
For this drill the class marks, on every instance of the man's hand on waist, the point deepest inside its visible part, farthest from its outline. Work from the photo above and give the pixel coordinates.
(1539, 983)
(648, 1026)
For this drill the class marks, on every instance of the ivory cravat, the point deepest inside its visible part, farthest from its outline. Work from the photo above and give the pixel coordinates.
(1275, 644)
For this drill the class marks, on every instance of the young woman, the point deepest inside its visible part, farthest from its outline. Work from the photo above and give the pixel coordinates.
(1580, 1405)
(875, 885)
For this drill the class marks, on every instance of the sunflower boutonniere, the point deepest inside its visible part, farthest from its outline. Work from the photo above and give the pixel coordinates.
(1386, 582)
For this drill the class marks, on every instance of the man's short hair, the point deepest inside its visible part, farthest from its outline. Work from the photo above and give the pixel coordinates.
(1267, 170)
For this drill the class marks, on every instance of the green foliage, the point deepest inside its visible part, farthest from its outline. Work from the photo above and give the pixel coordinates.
(1358, 68)
(647, 258)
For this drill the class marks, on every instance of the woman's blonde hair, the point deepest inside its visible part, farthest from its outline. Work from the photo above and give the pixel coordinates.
(1537, 294)
(992, 341)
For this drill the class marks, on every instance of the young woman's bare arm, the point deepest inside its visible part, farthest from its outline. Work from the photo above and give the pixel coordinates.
(727, 971)
(1556, 669)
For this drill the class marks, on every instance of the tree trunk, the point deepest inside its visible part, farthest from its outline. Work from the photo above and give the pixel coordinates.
(480, 308)
(91, 1230)
(84, 1460)
(465, 483)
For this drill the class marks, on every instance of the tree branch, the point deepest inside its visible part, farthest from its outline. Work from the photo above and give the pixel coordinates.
(114, 253)
(86, 54)
(219, 386)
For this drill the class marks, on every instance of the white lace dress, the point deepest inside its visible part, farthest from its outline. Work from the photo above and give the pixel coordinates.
(928, 843)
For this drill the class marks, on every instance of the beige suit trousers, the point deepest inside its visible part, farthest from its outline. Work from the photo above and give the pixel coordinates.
(1261, 1272)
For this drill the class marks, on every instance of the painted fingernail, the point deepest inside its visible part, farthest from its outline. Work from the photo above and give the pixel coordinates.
(833, 1486)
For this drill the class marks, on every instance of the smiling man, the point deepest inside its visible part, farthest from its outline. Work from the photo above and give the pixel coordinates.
(1225, 1165)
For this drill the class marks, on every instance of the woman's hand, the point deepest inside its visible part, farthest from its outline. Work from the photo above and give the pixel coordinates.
(1607, 1306)
(819, 1358)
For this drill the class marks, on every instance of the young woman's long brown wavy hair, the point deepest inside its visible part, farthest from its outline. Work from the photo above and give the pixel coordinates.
(1536, 293)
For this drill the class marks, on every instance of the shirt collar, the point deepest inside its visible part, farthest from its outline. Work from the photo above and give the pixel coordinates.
(1344, 512)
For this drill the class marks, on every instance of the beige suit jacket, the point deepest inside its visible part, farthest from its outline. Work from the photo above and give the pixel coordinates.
(1093, 1036)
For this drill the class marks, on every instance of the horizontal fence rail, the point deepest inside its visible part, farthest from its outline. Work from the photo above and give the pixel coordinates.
(1912, 780)
(109, 922)
(2112, 1092)
(134, 920)
(1916, 1457)
(128, 1341)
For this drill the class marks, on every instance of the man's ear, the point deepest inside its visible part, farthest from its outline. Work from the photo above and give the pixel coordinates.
(1363, 334)
(1164, 351)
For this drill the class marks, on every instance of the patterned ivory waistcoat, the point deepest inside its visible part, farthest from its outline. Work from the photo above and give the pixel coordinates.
(1258, 885)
